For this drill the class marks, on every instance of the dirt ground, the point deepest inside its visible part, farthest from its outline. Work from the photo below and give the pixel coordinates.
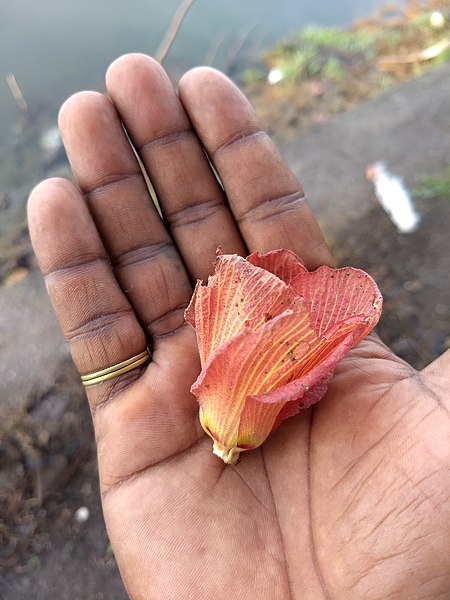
(412, 272)
(45, 552)
(68, 560)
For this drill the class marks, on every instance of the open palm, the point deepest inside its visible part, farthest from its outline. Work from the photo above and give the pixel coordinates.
(351, 499)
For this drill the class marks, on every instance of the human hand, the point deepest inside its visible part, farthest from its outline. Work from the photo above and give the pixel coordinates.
(349, 499)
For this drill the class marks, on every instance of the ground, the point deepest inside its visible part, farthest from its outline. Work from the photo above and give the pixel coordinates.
(412, 272)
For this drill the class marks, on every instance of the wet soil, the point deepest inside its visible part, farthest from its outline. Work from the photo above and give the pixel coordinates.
(412, 273)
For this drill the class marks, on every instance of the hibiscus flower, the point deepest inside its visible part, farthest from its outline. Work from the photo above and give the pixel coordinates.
(270, 334)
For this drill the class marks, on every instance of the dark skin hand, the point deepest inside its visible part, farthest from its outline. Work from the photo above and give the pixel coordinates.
(349, 499)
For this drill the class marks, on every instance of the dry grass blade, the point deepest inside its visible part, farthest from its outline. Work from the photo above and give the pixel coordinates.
(173, 29)
(16, 92)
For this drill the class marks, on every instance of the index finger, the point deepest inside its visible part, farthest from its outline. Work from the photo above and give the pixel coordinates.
(266, 199)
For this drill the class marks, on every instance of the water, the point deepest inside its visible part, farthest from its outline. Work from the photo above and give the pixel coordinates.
(57, 47)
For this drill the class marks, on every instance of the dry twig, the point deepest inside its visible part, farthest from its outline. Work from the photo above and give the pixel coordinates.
(385, 62)
(236, 47)
(18, 97)
(173, 29)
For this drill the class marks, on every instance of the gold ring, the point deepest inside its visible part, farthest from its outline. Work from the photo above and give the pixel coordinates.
(116, 370)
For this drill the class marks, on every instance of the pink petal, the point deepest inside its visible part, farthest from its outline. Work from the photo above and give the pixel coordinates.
(189, 313)
(251, 364)
(283, 263)
(244, 386)
(239, 297)
(337, 295)
(312, 383)
(310, 397)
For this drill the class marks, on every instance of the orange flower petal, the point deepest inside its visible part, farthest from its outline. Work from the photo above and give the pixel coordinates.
(283, 263)
(334, 296)
(254, 427)
(253, 363)
(312, 378)
(238, 297)
(189, 313)
(270, 335)
(260, 378)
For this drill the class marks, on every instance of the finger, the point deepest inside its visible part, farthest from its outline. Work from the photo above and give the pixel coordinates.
(266, 199)
(95, 316)
(192, 201)
(143, 256)
(102, 330)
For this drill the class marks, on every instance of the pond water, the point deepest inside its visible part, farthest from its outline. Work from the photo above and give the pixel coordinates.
(57, 47)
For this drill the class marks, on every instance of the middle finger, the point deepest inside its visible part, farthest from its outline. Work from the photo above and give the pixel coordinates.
(192, 201)
(266, 200)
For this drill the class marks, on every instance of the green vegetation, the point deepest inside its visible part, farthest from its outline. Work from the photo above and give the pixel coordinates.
(333, 69)
(381, 45)
(253, 75)
(442, 58)
(319, 52)
(432, 187)
(339, 40)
